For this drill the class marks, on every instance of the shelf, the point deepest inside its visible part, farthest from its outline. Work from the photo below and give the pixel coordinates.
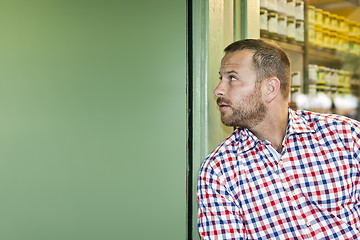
(331, 58)
(286, 44)
(327, 57)
(329, 5)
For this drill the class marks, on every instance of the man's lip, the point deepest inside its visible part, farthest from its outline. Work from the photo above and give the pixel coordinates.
(222, 105)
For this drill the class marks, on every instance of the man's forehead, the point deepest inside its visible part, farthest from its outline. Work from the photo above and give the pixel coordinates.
(229, 68)
(234, 60)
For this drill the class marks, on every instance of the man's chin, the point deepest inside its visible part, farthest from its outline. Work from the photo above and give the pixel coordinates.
(228, 122)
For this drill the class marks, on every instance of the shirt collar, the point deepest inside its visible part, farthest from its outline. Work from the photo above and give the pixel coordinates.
(297, 124)
(247, 140)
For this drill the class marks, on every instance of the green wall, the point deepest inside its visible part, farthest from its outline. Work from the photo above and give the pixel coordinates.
(92, 119)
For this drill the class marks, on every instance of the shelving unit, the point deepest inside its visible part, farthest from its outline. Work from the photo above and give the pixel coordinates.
(327, 57)
(287, 46)
(311, 54)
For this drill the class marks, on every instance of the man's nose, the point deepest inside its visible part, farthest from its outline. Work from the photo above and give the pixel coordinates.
(219, 90)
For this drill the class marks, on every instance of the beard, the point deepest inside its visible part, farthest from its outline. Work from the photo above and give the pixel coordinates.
(246, 113)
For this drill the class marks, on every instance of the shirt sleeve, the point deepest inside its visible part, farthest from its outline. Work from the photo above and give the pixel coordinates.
(356, 159)
(218, 215)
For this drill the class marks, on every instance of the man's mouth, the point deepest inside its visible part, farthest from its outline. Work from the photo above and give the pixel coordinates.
(223, 104)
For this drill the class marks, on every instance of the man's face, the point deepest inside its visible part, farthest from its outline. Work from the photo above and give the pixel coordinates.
(238, 95)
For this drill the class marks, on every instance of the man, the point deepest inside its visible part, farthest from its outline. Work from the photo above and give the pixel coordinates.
(282, 174)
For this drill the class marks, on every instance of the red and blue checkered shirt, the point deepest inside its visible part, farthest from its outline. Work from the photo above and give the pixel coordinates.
(247, 190)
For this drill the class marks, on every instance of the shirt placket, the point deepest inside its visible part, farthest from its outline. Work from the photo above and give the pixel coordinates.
(280, 163)
(299, 203)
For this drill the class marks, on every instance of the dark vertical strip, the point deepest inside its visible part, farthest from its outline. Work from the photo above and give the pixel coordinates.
(306, 50)
(243, 21)
(189, 173)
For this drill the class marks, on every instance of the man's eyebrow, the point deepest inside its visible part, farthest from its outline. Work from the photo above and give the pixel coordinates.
(228, 72)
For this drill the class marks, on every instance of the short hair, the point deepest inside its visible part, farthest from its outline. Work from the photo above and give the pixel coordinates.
(269, 60)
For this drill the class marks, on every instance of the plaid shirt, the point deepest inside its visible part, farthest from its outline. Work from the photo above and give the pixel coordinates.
(247, 190)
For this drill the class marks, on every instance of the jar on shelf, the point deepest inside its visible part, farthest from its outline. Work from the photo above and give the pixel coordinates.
(347, 82)
(263, 19)
(328, 76)
(290, 29)
(272, 22)
(282, 25)
(334, 80)
(357, 46)
(299, 30)
(296, 79)
(321, 81)
(282, 6)
(319, 36)
(341, 42)
(352, 28)
(313, 73)
(357, 29)
(272, 5)
(311, 34)
(264, 4)
(295, 86)
(346, 25)
(343, 24)
(352, 44)
(333, 40)
(299, 10)
(290, 8)
(312, 89)
(345, 47)
(318, 16)
(326, 19)
(326, 38)
(311, 14)
(334, 19)
(341, 81)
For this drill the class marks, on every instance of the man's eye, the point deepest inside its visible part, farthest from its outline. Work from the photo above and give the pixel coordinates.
(232, 78)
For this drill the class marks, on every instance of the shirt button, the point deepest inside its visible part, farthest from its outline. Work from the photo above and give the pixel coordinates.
(308, 224)
(293, 193)
(280, 162)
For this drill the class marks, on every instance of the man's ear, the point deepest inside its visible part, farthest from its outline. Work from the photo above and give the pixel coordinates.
(272, 88)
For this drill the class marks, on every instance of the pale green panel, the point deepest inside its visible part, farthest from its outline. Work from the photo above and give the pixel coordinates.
(92, 120)
(252, 18)
(220, 35)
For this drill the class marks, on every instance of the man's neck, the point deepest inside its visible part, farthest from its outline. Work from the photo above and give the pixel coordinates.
(273, 129)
